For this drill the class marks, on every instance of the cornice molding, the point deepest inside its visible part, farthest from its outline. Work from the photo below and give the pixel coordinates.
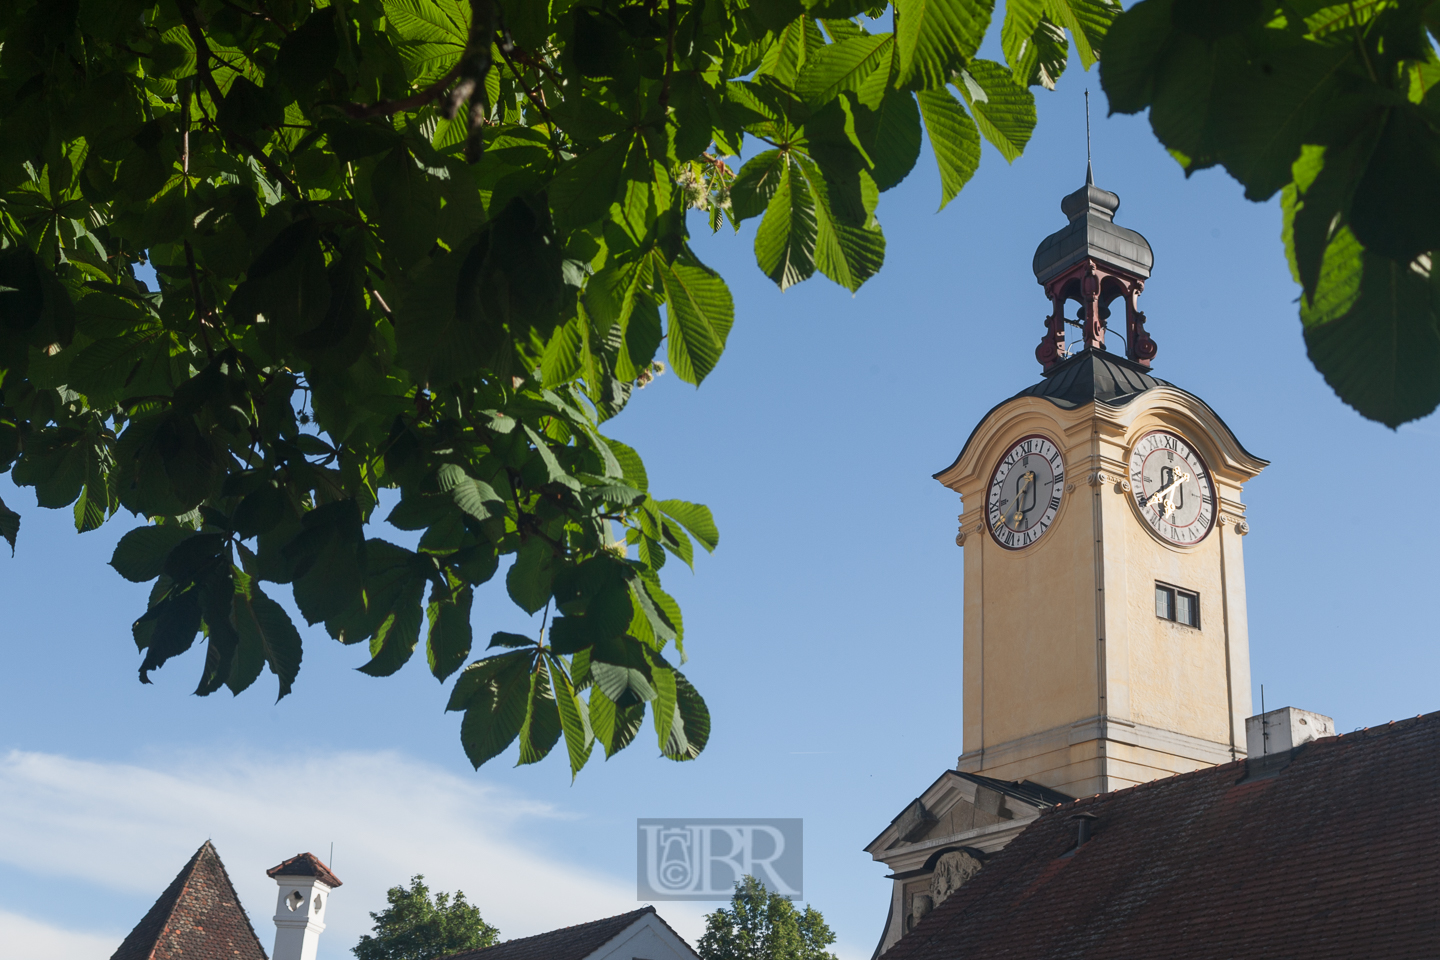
(1182, 411)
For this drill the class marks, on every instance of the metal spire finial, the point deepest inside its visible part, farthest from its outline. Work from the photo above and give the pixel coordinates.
(1089, 170)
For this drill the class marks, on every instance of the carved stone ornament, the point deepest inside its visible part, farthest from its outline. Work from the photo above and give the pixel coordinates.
(1242, 527)
(920, 905)
(1099, 478)
(952, 871)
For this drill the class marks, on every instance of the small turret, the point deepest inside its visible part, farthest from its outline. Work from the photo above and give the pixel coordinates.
(304, 896)
(1093, 261)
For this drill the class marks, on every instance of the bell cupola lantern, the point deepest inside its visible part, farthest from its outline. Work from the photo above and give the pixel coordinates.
(1093, 261)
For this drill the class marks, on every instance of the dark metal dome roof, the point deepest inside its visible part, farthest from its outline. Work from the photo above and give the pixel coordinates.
(1092, 232)
(1093, 375)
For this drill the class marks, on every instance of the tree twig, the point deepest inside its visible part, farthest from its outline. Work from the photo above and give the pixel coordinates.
(385, 108)
(507, 46)
(200, 310)
(669, 59)
(185, 94)
(258, 16)
(538, 62)
(202, 68)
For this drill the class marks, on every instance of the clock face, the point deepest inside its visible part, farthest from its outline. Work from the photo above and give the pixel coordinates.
(1025, 492)
(1172, 488)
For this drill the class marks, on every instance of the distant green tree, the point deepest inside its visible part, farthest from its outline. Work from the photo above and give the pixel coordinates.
(761, 925)
(414, 927)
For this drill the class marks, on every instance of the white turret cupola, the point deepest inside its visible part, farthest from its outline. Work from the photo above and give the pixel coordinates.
(300, 907)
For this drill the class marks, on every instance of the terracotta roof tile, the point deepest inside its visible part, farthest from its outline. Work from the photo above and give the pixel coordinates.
(198, 917)
(305, 865)
(567, 943)
(1335, 856)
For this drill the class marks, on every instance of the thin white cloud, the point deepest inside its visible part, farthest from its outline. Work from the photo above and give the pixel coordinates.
(33, 940)
(130, 828)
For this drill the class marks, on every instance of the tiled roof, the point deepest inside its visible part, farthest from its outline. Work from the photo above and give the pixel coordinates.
(198, 917)
(305, 865)
(567, 943)
(1335, 856)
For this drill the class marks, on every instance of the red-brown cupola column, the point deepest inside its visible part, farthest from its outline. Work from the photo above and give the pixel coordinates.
(1093, 261)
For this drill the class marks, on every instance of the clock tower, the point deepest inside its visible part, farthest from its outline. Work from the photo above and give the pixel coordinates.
(1105, 639)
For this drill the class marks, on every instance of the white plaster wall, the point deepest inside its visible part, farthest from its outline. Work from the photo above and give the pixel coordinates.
(647, 939)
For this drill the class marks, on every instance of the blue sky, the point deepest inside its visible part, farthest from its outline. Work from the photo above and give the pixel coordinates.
(824, 633)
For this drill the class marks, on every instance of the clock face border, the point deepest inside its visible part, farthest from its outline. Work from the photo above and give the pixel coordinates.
(1135, 494)
(1059, 492)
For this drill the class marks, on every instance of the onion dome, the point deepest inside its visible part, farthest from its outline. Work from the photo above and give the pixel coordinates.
(1092, 234)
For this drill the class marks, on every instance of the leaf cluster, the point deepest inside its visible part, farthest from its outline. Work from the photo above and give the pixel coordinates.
(430, 247)
(416, 927)
(760, 925)
(1335, 106)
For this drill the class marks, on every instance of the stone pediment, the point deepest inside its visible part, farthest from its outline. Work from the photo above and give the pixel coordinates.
(940, 841)
(958, 804)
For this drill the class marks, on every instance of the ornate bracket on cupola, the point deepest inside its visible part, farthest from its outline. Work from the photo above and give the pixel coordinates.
(1093, 261)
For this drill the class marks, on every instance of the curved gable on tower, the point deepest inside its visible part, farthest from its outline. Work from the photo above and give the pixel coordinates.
(1095, 376)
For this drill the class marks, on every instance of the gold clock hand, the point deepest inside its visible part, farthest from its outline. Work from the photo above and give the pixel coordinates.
(1164, 491)
(1019, 494)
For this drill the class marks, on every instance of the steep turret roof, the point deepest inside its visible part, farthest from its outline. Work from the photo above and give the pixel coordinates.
(198, 917)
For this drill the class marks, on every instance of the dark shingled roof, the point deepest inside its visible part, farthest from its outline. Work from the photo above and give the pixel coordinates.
(1333, 856)
(1093, 375)
(198, 917)
(567, 943)
(305, 865)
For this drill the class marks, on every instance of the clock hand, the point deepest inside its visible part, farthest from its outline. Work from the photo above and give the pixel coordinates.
(1019, 494)
(1165, 491)
(1004, 507)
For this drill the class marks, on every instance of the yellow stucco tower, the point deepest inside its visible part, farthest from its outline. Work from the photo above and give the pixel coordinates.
(1104, 622)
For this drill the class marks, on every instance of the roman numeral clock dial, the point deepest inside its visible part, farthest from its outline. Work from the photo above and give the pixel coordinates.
(1025, 492)
(1172, 488)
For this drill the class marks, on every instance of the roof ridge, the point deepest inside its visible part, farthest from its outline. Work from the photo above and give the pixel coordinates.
(188, 873)
(588, 923)
(651, 908)
(245, 914)
(634, 914)
(305, 865)
(1388, 729)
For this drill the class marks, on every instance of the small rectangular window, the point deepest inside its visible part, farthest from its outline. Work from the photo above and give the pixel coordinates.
(1181, 606)
(1164, 603)
(1187, 608)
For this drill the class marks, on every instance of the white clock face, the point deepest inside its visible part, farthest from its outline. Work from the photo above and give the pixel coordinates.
(1172, 488)
(1025, 492)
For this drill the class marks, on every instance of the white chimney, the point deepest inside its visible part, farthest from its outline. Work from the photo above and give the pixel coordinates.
(300, 906)
(1281, 731)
